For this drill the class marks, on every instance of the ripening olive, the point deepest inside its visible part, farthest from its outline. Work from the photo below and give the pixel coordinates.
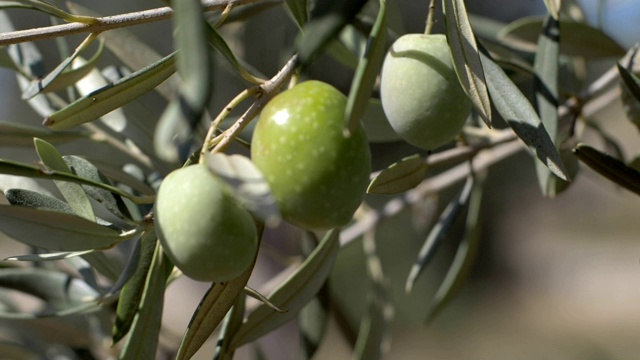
(318, 176)
(201, 227)
(420, 91)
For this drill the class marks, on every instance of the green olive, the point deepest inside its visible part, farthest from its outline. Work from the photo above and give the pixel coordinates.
(318, 176)
(201, 227)
(420, 91)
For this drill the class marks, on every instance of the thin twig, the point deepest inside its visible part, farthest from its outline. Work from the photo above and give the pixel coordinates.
(109, 22)
(266, 92)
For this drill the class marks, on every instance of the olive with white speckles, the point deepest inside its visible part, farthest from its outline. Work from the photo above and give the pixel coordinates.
(317, 175)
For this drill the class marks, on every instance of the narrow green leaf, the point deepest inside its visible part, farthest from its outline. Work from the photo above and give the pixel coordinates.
(312, 322)
(231, 324)
(54, 230)
(78, 70)
(174, 132)
(553, 7)
(112, 202)
(298, 11)
(465, 255)
(128, 48)
(400, 176)
(293, 294)
(212, 309)
(438, 233)
(9, 167)
(56, 288)
(210, 312)
(221, 46)
(24, 197)
(466, 60)
(609, 167)
(367, 70)
(631, 80)
(328, 17)
(108, 98)
(48, 8)
(49, 256)
(373, 334)
(73, 193)
(53, 80)
(132, 282)
(546, 66)
(517, 111)
(17, 134)
(248, 183)
(578, 39)
(142, 343)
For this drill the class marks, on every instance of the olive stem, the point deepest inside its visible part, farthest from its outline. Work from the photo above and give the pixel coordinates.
(209, 139)
(264, 93)
(108, 22)
(430, 21)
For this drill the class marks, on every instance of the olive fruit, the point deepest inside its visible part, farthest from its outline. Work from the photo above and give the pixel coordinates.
(201, 227)
(318, 175)
(420, 91)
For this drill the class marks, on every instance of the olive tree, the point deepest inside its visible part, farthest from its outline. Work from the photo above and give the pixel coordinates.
(153, 165)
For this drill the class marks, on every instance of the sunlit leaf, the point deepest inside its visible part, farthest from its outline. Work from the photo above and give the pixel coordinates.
(15, 168)
(546, 67)
(293, 294)
(517, 111)
(17, 134)
(438, 233)
(298, 11)
(142, 342)
(53, 80)
(328, 17)
(466, 59)
(132, 284)
(73, 193)
(48, 8)
(248, 183)
(54, 230)
(231, 324)
(465, 255)
(367, 71)
(48, 256)
(578, 38)
(609, 167)
(58, 289)
(106, 99)
(400, 176)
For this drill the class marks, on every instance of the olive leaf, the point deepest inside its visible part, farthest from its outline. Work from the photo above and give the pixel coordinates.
(400, 176)
(55, 80)
(49, 256)
(578, 38)
(517, 111)
(131, 284)
(466, 59)
(465, 254)
(609, 167)
(298, 11)
(55, 230)
(438, 233)
(47, 8)
(293, 294)
(328, 17)
(9, 167)
(249, 185)
(113, 96)
(142, 342)
(211, 311)
(173, 134)
(17, 134)
(367, 71)
(546, 66)
(231, 324)
(73, 193)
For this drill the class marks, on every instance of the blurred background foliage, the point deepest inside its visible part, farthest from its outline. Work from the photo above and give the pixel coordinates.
(554, 278)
